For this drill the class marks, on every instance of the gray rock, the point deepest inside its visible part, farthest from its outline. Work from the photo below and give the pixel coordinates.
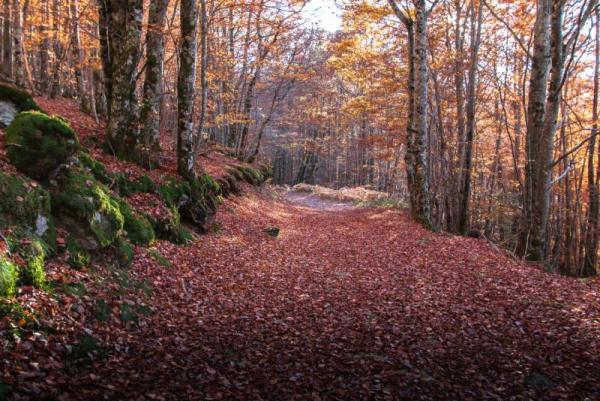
(8, 111)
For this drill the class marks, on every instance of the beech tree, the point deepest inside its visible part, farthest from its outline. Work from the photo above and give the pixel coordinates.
(186, 78)
(121, 29)
(153, 82)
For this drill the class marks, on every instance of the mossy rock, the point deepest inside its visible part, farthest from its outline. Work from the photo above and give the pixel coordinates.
(37, 143)
(250, 175)
(22, 100)
(33, 273)
(98, 169)
(79, 194)
(124, 186)
(195, 200)
(26, 209)
(77, 256)
(272, 231)
(139, 229)
(169, 228)
(9, 275)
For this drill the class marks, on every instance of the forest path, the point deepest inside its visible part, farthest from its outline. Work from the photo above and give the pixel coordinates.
(360, 304)
(312, 201)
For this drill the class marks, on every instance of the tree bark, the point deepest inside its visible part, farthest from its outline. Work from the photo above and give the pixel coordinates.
(536, 201)
(465, 182)
(590, 260)
(18, 46)
(7, 46)
(186, 158)
(124, 23)
(153, 83)
(77, 50)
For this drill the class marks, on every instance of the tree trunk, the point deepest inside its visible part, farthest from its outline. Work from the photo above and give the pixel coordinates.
(7, 45)
(465, 182)
(55, 87)
(420, 185)
(203, 67)
(18, 45)
(78, 55)
(186, 78)
(153, 87)
(124, 23)
(536, 201)
(45, 52)
(592, 238)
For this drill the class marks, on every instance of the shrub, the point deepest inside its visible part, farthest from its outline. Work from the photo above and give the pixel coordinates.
(37, 143)
(77, 257)
(33, 272)
(8, 277)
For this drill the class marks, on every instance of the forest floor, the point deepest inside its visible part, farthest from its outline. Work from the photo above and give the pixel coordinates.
(350, 304)
(347, 303)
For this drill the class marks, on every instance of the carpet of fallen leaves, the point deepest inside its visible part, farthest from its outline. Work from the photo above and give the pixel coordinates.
(353, 304)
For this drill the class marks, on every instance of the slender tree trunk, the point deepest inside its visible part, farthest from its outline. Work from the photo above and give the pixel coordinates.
(78, 56)
(56, 85)
(203, 67)
(7, 45)
(465, 190)
(18, 45)
(590, 260)
(153, 86)
(186, 158)
(44, 79)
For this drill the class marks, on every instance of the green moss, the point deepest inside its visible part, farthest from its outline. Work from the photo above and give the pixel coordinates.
(22, 202)
(250, 175)
(8, 277)
(33, 273)
(124, 252)
(82, 196)
(22, 100)
(77, 257)
(139, 229)
(97, 168)
(37, 143)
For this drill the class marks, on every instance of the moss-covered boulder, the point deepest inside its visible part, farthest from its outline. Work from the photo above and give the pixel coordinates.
(22, 100)
(195, 200)
(138, 228)
(37, 143)
(80, 195)
(25, 208)
(13, 101)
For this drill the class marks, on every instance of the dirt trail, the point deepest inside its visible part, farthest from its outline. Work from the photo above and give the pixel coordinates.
(361, 304)
(314, 202)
